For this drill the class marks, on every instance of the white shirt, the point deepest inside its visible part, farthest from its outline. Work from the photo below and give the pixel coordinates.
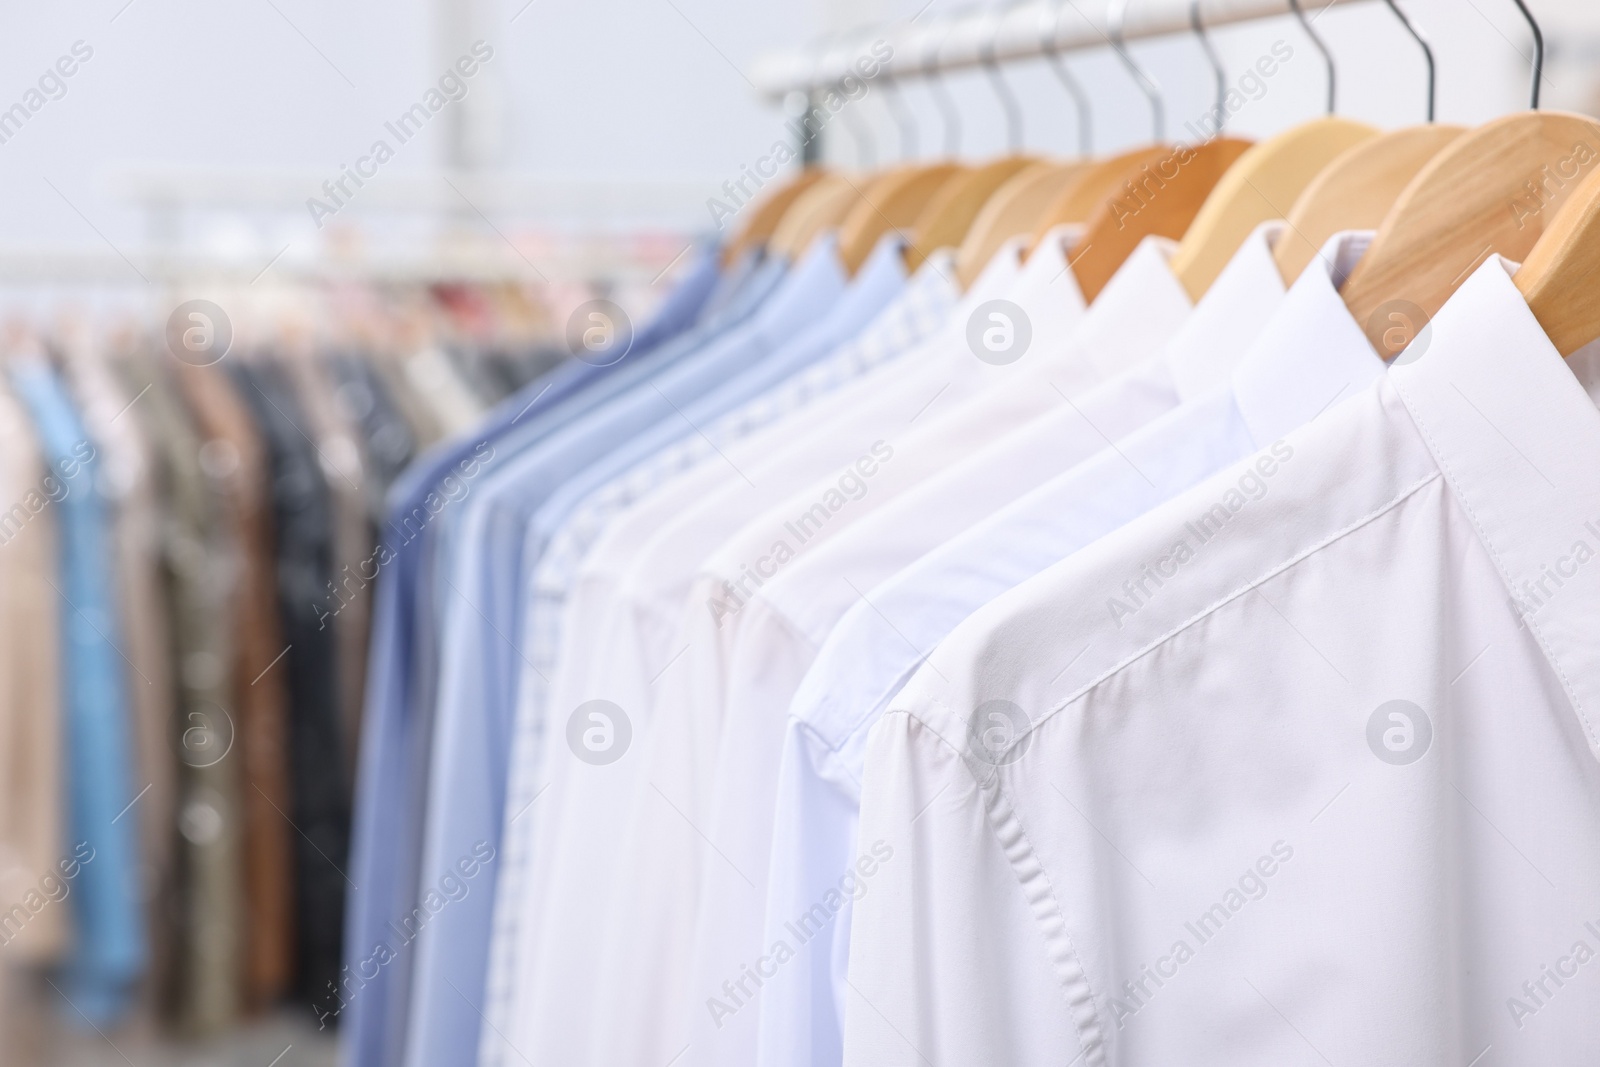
(559, 810)
(1309, 788)
(664, 845)
(919, 308)
(789, 617)
(881, 640)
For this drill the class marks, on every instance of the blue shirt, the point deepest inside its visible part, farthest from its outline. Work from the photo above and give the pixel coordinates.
(506, 528)
(389, 784)
(108, 952)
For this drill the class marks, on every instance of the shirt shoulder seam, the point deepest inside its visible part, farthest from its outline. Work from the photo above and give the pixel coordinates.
(1273, 571)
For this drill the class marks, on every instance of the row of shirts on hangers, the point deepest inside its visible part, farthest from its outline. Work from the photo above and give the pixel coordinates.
(182, 652)
(860, 670)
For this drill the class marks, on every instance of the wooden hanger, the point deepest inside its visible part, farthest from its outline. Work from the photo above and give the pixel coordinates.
(1560, 279)
(1262, 185)
(818, 208)
(1493, 190)
(764, 219)
(1015, 208)
(1153, 199)
(948, 216)
(824, 206)
(1356, 191)
(1358, 188)
(1093, 185)
(895, 204)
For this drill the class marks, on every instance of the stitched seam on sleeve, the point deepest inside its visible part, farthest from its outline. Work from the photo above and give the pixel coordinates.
(1046, 907)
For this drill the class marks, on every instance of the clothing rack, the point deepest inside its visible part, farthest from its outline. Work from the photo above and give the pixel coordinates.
(978, 37)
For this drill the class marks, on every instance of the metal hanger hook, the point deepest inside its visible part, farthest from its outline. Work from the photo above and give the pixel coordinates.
(1321, 45)
(905, 122)
(1427, 53)
(949, 117)
(1538, 53)
(1116, 15)
(860, 131)
(1047, 45)
(1008, 99)
(1218, 71)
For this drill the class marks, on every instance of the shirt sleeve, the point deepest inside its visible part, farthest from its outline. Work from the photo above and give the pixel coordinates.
(813, 852)
(947, 962)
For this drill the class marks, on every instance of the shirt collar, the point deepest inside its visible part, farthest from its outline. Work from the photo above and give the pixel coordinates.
(1046, 290)
(886, 264)
(1516, 435)
(936, 275)
(812, 285)
(1229, 317)
(1310, 354)
(1136, 313)
(998, 275)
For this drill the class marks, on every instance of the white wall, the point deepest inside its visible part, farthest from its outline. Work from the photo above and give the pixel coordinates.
(624, 90)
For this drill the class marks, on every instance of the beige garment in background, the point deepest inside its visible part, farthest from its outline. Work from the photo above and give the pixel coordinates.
(128, 486)
(349, 602)
(204, 905)
(424, 424)
(234, 457)
(438, 384)
(32, 816)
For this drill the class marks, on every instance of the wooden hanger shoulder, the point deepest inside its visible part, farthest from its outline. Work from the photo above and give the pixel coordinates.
(822, 207)
(895, 204)
(765, 217)
(1560, 278)
(1492, 190)
(1356, 191)
(944, 222)
(1015, 208)
(1262, 185)
(1091, 187)
(1153, 199)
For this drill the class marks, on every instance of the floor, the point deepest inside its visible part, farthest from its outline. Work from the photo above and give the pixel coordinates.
(287, 1039)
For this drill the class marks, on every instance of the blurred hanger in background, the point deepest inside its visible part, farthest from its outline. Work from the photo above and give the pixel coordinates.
(1361, 185)
(1264, 183)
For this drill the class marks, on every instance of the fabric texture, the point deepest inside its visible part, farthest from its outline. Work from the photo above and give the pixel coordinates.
(1320, 767)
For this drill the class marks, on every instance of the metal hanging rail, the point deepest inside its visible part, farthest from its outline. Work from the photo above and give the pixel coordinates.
(971, 37)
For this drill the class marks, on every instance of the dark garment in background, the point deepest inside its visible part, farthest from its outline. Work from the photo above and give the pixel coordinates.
(386, 437)
(235, 458)
(304, 524)
(513, 368)
(202, 990)
(477, 371)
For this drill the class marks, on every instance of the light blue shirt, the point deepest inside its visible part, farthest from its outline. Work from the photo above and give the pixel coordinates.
(108, 950)
(391, 778)
(504, 531)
